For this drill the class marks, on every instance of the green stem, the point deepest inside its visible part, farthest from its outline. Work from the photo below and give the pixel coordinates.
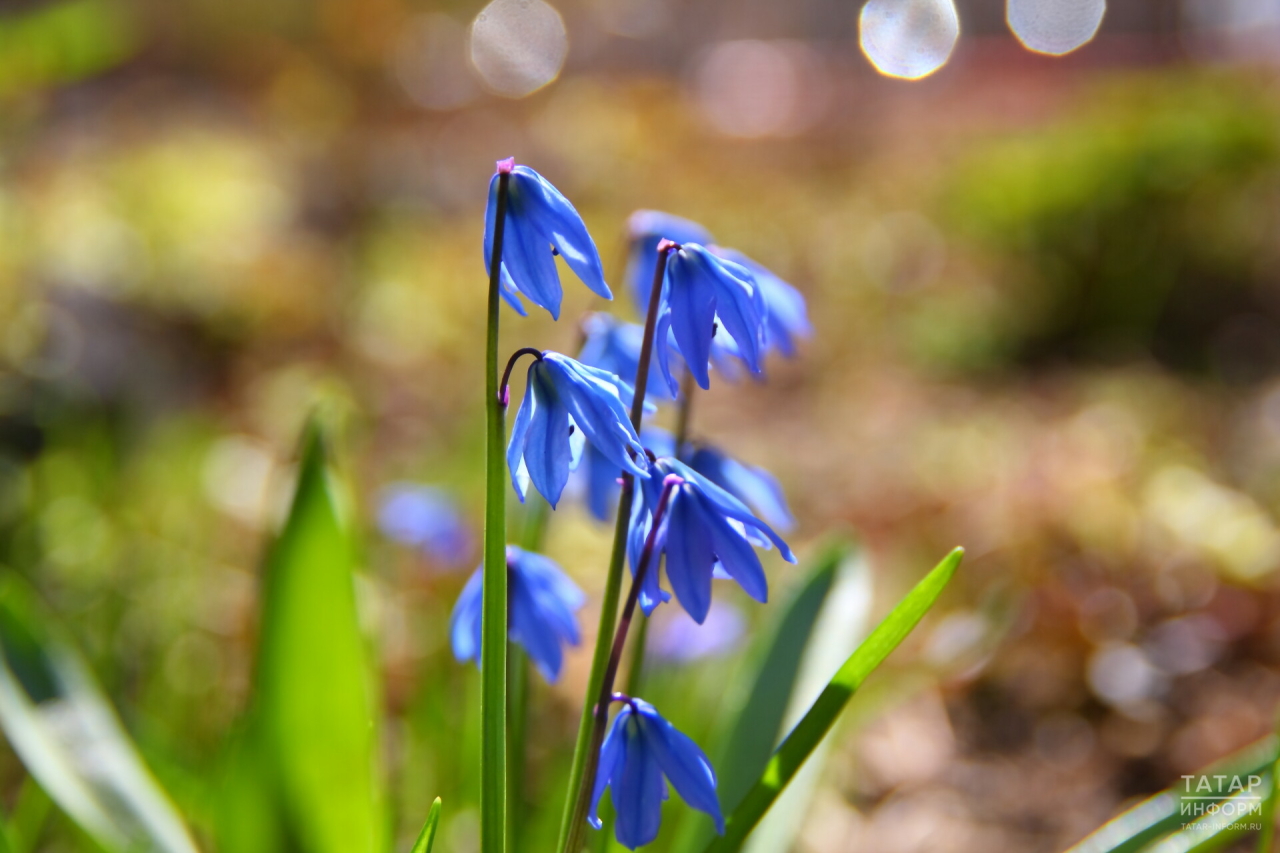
(582, 771)
(493, 644)
(532, 534)
(685, 413)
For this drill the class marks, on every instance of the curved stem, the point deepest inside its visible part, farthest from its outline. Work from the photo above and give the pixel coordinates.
(493, 645)
(503, 393)
(582, 771)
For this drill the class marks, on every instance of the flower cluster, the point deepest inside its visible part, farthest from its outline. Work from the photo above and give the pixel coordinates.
(688, 506)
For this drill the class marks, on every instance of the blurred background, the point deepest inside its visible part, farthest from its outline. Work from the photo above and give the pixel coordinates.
(1046, 299)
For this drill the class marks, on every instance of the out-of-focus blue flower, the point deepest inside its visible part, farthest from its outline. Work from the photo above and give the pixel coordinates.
(598, 476)
(613, 345)
(786, 315)
(425, 518)
(675, 637)
(754, 486)
(540, 223)
(566, 401)
(640, 749)
(542, 601)
(706, 532)
(703, 290)
(647, 228)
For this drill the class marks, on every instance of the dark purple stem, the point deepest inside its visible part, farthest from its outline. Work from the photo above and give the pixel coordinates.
(504, 393)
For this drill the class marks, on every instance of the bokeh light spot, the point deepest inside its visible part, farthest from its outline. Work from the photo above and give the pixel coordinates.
(518, 46)
(430, 62)
(1055, 26)
(908, 38)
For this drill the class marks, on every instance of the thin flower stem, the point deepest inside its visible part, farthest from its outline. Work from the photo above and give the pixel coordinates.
(582, 771)
(493, 645)
(503, 393)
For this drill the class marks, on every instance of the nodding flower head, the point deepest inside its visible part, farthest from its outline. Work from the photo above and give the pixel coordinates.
(565, 403)
(786, 315)
(598, 476)
(542, 603)
(702, 292)
(613, 345)
(646, 229)
(640, 749)
(540, 223)
(707, 532)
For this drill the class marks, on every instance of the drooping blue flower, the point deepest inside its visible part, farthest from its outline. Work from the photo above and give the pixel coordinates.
(702, 292)
(639, 750)
(565, 402)
(425, 518)
(787, 316)
(542, 601)
(540, 223)
(754, 486)
(613, 345)
(646, 229)
(706, 532)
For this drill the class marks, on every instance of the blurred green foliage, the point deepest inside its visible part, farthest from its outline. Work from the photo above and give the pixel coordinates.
(1143, 223)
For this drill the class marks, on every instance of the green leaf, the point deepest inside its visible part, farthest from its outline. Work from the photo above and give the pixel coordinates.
(64, 731)
(317, 712)
(808, 733)
(428, 835)
(742, 755)
(1161, 814)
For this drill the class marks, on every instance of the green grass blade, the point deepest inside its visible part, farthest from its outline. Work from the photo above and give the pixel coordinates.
(1160, 815)
(1266, 838)
(317, 708)
(69, 739)
(742, 755)
(808, 733)
(427, 837)
(1209, 833)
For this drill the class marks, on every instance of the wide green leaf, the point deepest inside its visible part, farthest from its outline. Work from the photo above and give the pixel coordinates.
(316, 714)
(427, 837)
(808, 733)
(64, 731)
(1162, 814)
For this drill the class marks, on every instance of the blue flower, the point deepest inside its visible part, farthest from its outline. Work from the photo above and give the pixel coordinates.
(755, 487)
(425, 518)
(647, 228)
(542, 601)
(640, 749)
(565, 402)
(707, 532)
(787, 316)
(613, 345)
(540, 223)
(702, 292)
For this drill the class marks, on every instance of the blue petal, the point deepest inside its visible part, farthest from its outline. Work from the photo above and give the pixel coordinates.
(612, 753)
(506, 287)
(596, 408)
(637, 792)
(556, 595)
(691, 298)
(664, 343)
(602, 484)
(690, 555)
(754, 486)
(519, 437)
(531, 629)
(547, 451)
(683, 762)
(727, 504)
(464, 624)
(734, 552)
(738, 303)
(527, 255)
(561, 226)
